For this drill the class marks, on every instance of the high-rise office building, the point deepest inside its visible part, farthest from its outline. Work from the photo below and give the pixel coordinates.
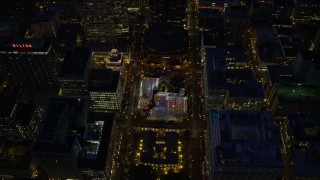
(70, 10)
(46, 25)
(57, 145)
(95, 158)
(215, 85)
(236, 21)
(106, 90)
(30, 62)
(245, 93)
(104, 20)
(74, 73)
(168, 11)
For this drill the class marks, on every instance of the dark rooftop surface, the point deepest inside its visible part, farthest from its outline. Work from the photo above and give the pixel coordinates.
(60, 115)
(211, 38)
(7, 101)
(281, 74)
(48, 14)
(236, 54)
(216, 67)
(305, 128)
(9, 25)
(164, 38)
(250, 89)
(25, 112)
(104, 80)
(270, 52)
(248, 139)
(237, 12)
(66, 37)
(209, 13)
(75, 62)
(239, 74)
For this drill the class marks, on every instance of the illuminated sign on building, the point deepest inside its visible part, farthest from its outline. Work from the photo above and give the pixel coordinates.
(21, 45)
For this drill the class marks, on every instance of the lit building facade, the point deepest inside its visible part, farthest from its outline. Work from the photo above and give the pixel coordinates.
(106, 90)
(104, 20)
(31, 62)
(114, 59)
(167, 11)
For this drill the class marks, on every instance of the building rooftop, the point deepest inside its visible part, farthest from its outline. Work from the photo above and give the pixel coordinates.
(164, 38)
(95, 149)
(236, 54)
(75, 63)
(281, 74)
(25, 112)
(297, 93)
(7, 101)
(237, 12)
(209, 13)
(160, 151)
(266, 35)
(211, 38)
(239, 75)
(108, 46)
(48, 14)
(66, 37)
(216, 67)
(8, 26)
(61, 114)
(249, 89)
(270, 52)
(105, 80)
(305, 128)
(248, 139)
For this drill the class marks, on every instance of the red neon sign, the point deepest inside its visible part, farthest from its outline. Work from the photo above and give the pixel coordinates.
(21, 45)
